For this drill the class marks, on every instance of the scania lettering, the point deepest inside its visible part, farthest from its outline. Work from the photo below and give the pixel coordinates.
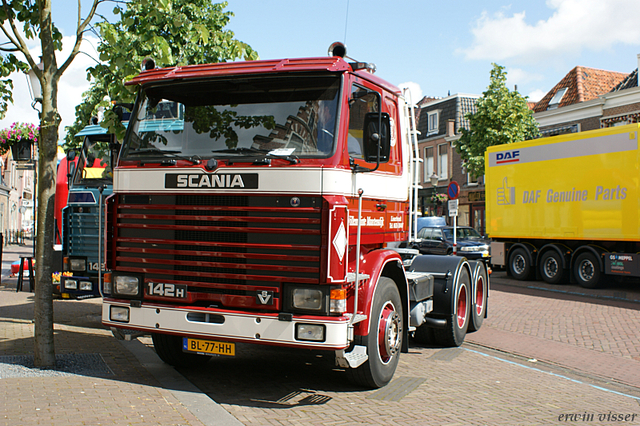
(266, 202)
(567, 211)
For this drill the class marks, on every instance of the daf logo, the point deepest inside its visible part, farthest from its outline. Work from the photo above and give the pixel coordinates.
(508, 157)
(265, 297)
(295, 202)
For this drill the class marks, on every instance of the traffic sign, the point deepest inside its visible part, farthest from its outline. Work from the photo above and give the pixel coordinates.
(453, 190)
(453, 208)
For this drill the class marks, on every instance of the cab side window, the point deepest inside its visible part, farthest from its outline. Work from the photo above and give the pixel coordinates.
(362, 102)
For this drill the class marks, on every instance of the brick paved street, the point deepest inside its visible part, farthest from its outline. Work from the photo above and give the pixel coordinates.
(540, 355)
(573, 355)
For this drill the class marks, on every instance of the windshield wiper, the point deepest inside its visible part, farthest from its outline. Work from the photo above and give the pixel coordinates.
(173, 154)
(253, 152)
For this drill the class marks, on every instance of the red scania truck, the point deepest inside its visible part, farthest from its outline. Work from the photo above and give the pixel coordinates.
(264, 202)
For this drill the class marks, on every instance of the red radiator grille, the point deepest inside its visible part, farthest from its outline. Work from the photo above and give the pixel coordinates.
(224, 248)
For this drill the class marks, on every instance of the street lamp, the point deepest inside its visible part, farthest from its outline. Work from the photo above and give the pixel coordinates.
(34, 84)
(36, 94)
(434, 180)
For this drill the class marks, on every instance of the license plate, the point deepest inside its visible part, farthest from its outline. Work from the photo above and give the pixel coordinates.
(208, 347)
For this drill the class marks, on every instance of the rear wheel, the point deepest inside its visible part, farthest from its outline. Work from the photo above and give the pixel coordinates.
(519, 264)
(384, 340)
(424, 335)
(458, 321)
(551, 268)
(169, 349)
(479, 298)
(586, 270)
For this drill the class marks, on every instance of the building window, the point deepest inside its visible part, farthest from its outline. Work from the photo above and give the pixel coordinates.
(557, 98)
(428, 163)
(432, 123)
(443, 163)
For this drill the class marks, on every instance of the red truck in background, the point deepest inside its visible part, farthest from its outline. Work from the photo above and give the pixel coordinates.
(265, 202)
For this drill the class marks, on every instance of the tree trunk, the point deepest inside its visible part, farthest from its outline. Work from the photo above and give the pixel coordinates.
(44, 352)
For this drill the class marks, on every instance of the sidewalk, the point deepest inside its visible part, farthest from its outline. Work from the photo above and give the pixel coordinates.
(98, 380)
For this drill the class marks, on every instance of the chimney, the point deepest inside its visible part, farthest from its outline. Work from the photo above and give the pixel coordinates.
(451, 127)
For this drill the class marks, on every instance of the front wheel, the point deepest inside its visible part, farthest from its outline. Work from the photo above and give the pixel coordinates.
(586, 270)
(384, 340)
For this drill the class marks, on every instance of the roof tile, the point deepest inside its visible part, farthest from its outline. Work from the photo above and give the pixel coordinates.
(583, 84)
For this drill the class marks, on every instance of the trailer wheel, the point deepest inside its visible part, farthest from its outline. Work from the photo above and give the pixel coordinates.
(384, 340)
(169, 349)
(479, 298)
(519, 264)
(551, 268)
(586, 270)
(424, 335)
(458, 321)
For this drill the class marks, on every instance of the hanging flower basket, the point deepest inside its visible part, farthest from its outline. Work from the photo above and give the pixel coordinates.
(19, 137)
(438, 198)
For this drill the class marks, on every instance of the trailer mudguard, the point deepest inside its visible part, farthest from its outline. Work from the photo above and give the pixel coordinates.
(446, 270)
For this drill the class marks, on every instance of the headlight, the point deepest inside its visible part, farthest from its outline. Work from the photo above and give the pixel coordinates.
(126, 285)
(311, 332)
(119, 313)
(307, 298)
(78, 265)
(474, 248)
(86, 285)
(71, 284)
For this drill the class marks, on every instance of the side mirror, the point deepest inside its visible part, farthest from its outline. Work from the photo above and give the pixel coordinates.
(71, 155)
(375, 139)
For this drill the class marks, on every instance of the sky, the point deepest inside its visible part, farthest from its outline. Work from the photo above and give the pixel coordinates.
(435, 48)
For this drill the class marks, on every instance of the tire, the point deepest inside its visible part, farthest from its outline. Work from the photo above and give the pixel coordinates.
(551, 268)
(586, 270)
(169, 349)
(384, 341)
(424, 335)
(519, 264)
(458, 321)
(479, 298)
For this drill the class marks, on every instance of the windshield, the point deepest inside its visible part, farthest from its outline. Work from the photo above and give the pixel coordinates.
(223, 118)
(462, 234)
(94, 165)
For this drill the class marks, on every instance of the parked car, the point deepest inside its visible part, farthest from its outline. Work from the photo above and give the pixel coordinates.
(431, 221)
(439, 240)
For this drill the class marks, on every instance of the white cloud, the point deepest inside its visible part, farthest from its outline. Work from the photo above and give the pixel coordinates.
(536, 95)
(574, 25)
(416, 91)
(518, 76)
(70, 88)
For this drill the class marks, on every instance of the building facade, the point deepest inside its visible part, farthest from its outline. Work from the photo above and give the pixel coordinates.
(439, 124)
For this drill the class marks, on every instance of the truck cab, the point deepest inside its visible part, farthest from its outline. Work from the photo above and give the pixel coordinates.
(259, 202)
(83, 217)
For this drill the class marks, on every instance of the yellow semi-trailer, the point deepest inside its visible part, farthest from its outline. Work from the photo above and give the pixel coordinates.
(566, 207)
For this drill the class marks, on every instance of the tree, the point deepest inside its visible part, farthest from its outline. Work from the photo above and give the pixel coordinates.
(34, 18)
(501, 117)
(171, 32)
